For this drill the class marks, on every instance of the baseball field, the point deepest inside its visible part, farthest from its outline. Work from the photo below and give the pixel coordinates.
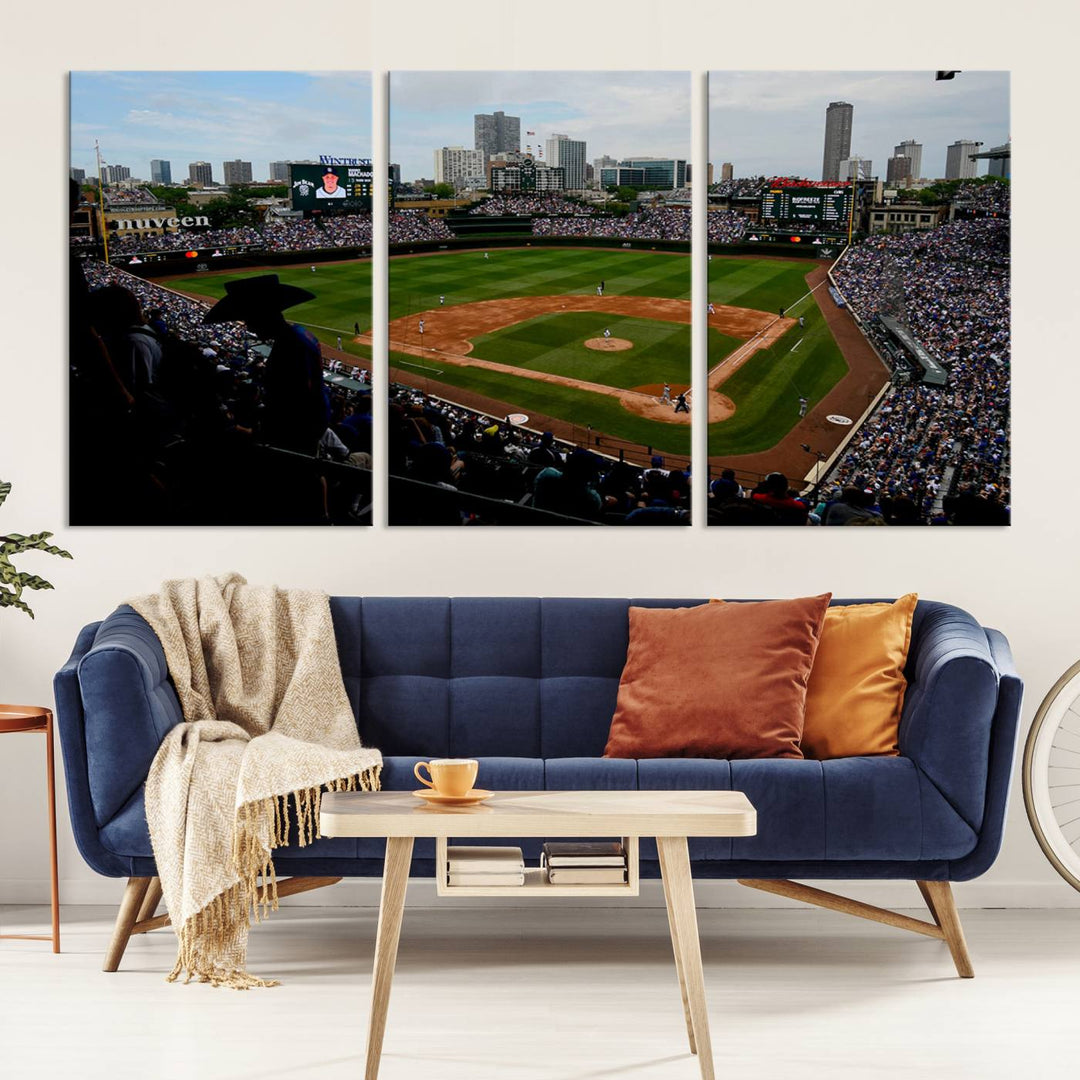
(524, 329)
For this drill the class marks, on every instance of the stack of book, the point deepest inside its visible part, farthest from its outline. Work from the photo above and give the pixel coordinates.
(591, 863)
(485, 866)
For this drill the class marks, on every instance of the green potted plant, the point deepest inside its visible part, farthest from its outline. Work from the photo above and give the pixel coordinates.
(12, 581)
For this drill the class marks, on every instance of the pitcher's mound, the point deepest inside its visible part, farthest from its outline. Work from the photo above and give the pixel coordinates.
(609, 344)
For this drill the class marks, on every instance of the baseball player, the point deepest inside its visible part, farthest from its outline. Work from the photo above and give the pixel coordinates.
(313, 268)
(802, 321)
(442, 300)
(485, 254)
(339, 341)
(665, 397)
(681, 404)
(607, 332)
(712, 308)
(421, 327)
(803, 403)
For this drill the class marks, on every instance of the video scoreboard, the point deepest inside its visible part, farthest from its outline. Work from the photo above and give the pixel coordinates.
(830, 207)
(331, 187)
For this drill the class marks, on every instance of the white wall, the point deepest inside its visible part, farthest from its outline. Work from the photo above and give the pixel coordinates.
(1022, 580)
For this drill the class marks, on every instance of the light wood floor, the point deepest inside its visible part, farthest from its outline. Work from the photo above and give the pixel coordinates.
(544, 993)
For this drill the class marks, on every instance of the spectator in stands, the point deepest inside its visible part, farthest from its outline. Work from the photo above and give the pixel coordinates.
(853, 503)
(773, 493)
(297, 414)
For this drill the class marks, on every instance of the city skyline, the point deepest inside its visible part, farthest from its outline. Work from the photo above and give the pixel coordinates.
(217, 116)
(773, 122)
(621, 113)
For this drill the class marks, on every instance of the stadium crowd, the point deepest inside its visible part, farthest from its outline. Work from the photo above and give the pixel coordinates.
(654, 223)
(726, 226)
(944, 448)
(414, 226)
(455, 452)
(139, 196)
(129, 243)
(745, 187)
(988, 198)
(173, 419)
(528, 203)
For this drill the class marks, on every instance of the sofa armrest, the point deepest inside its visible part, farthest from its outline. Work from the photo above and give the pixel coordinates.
(128, 705)
(949, 708)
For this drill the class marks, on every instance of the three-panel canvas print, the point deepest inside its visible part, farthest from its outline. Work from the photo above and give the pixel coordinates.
(542, 235)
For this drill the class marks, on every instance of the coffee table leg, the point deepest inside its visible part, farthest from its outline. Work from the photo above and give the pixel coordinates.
(679, 888)
(391, 908)
(677, 950)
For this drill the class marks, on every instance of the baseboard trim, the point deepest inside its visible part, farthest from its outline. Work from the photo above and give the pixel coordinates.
(364, 893)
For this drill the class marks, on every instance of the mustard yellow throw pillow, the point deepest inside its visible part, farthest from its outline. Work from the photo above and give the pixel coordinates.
(856, 689)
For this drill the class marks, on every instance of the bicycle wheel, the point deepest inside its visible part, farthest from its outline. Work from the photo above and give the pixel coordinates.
(1052, 776)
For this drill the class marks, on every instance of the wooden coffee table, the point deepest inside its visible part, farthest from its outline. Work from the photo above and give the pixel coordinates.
(669, 816)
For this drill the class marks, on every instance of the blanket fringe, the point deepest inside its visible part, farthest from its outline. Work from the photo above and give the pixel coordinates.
(213, 942)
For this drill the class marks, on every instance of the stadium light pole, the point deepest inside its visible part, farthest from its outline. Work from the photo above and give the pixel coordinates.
(101, 202)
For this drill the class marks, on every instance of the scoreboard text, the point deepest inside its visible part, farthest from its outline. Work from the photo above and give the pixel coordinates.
(826, 206)
(331, 187)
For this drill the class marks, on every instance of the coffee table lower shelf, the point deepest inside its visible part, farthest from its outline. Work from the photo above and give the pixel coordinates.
(536, 883)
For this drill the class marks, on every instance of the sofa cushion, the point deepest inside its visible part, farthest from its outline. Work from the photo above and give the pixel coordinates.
(722, 681)
(856, 691)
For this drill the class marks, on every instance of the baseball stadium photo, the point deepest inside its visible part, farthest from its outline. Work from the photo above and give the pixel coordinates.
(858, 342)
(220, 299)
(540, 302)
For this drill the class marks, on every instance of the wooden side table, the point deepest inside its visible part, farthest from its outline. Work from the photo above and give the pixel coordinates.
(22, 718)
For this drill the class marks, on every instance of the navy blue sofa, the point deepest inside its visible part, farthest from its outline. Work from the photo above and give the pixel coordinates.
(528, 686)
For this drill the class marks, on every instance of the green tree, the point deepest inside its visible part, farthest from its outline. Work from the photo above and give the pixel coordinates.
(443, 191)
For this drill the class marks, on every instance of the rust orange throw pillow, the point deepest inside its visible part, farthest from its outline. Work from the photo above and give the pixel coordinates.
(718, 680)
(857, 687)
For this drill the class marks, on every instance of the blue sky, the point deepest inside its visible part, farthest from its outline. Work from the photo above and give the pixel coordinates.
(619, 113)
(773, 122)
(185, 116)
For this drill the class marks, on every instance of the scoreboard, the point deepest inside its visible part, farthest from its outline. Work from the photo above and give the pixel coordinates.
(830, 207)
(331, 187)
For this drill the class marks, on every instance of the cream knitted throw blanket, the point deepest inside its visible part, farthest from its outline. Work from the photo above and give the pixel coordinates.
(267, 721)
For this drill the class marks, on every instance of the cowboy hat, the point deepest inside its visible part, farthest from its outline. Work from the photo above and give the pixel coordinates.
(252, 295)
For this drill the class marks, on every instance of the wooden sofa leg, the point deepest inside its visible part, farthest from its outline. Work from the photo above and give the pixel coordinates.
(134, 894)
(150, 902)
(939, 899)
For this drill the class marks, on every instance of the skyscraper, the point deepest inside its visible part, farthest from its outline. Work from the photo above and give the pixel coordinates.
(160, 171)
(237, 171)
(856, 168)
(78, 175)
(958, 163)
(569, 155)
(460, 167)
(114, 174)
(727, 171)
(912, 150)
(496, 132)
(837, 138)
(898, 170)
(279, 171)
(201, 173)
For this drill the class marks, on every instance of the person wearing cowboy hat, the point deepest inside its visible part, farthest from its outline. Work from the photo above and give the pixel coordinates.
(331, 185)
(296, 408)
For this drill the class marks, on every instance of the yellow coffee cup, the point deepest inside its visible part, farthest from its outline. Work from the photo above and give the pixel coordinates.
(449, 776)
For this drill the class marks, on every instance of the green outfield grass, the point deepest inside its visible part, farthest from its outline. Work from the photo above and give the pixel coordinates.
(463, 277)
(342, 297)
(761, 284)
(766, 389)
(580, 407)
(556, 343)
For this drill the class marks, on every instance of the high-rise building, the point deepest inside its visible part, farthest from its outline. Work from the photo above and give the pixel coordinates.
(898, 171)
(160, 171)
(727, 171)
(569, 155)
(237, 172)
(114, 174)
(78, 175)
(279, 171)
(838, 118)
(999, 164)
(496, 132)
(657, 174)
(855, 167)
(395, 176)
(958, 163)
(201, 173)
(460, 167)
(912, 150)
